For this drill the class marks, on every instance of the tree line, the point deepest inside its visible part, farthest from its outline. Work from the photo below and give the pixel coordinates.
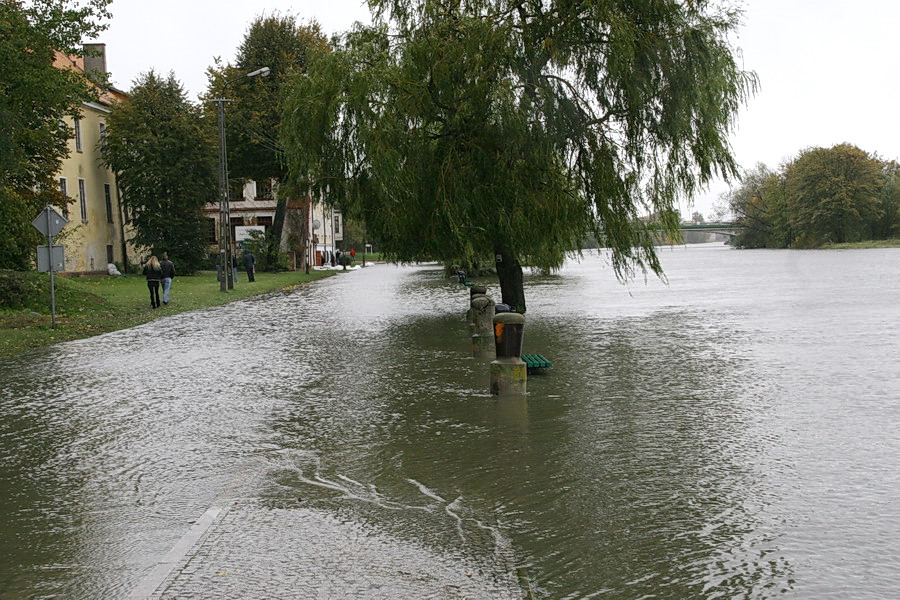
(487, 132)
(824, 195)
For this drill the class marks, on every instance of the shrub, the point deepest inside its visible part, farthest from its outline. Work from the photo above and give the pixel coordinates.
(21, 290)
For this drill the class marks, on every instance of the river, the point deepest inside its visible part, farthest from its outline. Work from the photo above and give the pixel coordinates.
(732, 433)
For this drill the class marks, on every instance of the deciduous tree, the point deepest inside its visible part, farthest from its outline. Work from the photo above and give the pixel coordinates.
(834, 194)
(462, 130)
(253, 125)
(34, 97)
(164, 158)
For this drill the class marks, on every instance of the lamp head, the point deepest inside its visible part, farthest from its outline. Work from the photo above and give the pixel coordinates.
(261, 72)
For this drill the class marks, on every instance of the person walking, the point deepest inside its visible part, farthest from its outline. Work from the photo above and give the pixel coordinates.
(168, 274)
(153, 273)
(249, 264)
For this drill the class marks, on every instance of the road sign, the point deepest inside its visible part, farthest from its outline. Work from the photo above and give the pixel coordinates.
(46, 258)
(49, 222)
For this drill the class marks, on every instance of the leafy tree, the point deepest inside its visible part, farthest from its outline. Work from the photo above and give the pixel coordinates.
(34, 97)
(756, 205)
(165, 163)
(254, 116)
(889, 224)
(834, 194)
(459, 130)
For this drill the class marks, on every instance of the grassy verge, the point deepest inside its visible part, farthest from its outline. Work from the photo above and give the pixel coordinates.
(892, 243)
(95, 305)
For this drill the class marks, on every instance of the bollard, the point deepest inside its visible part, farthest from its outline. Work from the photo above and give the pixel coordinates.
(483, 338)
(509, 374)
(475, 290)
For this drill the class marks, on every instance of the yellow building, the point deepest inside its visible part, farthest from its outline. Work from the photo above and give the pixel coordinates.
(95, 233)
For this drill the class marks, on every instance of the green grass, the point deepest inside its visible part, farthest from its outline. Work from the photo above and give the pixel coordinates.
(87, 306)
(891, 243)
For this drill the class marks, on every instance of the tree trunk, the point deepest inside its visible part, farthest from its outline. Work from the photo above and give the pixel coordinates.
(512, 285)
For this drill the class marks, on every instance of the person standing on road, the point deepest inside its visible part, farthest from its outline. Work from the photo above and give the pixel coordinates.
(249, 264)
(153, 273)
(168, 274)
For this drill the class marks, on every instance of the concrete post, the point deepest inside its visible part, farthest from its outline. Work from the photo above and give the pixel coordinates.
(509, 374)
(470, 316)
(483, 338)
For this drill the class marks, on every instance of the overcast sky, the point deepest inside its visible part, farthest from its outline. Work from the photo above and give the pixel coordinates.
(829, 70)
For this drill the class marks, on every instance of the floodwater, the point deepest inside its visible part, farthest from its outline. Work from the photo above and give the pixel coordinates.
(733, 434)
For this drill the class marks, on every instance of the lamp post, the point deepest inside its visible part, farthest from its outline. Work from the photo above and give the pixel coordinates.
(226, 262)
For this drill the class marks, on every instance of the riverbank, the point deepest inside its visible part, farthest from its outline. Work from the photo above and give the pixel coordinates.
(88, 306)
(891, 243)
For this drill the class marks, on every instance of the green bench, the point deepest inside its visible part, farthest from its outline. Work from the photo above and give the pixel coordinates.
(536, 361)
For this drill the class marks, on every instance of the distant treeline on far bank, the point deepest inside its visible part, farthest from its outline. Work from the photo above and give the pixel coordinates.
(824, 196)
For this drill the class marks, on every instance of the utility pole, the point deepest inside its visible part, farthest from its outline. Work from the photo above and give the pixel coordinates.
(226, 260)
(226, 278)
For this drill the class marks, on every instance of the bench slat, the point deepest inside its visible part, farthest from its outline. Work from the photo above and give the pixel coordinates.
(536, 361)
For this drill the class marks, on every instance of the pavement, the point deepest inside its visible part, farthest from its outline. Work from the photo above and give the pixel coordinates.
(245, 549)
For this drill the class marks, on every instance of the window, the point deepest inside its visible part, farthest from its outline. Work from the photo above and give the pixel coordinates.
(107, 193)
(264, 190)
(109, 254)
(126, 213)
(338, 236)
(235, 191)
(64, 190)
(102, 130)
(212, 235)
(82, 199)
(78, 134)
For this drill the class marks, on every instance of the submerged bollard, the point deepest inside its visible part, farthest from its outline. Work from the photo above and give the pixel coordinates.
(483, 338)
(475, 290)
(509, 374)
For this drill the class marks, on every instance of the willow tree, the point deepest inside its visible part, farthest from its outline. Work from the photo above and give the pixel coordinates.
(459, 130)
(164, 159)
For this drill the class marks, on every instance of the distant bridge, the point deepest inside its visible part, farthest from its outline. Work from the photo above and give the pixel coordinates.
(726, 229)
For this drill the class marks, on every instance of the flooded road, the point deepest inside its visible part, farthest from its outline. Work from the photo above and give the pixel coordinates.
(731, 435)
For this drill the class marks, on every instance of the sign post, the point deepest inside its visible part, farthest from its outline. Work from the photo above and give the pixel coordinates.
(50, 258)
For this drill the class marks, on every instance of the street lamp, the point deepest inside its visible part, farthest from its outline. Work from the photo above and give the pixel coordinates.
(226, 264)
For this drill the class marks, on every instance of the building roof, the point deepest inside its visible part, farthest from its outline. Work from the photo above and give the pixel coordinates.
(108, 95)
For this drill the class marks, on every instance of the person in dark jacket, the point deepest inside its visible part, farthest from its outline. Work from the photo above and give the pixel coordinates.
(168, 274)
(249, 264)
(153, 273)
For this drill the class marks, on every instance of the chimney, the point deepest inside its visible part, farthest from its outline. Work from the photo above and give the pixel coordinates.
(95, 62)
